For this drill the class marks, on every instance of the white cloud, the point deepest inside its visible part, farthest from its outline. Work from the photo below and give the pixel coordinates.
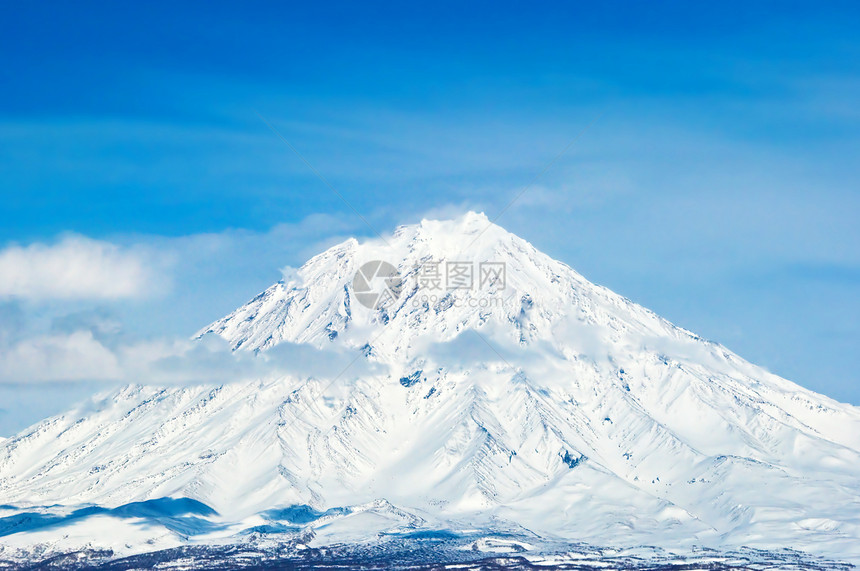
(81, 356)
(76, 356)
(76, 267)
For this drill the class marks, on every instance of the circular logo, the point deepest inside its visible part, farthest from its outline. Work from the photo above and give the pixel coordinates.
(376, 284)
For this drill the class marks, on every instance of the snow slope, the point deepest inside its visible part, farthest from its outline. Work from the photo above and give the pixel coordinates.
(545, 404)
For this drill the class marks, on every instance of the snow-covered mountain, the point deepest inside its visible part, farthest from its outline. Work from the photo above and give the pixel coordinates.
(526, 403)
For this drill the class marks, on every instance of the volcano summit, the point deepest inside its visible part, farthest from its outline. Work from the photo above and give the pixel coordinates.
(505, 407)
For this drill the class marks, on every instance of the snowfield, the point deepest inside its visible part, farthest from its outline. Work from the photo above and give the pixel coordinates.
(543, 419)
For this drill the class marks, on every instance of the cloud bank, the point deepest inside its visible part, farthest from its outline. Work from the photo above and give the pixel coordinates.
(74, 268)
(82, 356)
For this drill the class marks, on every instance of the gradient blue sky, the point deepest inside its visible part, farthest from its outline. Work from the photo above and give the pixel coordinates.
(719, 186)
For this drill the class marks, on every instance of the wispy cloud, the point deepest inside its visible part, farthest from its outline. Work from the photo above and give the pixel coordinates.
(75, 267)
(75, 356)
(81, 356)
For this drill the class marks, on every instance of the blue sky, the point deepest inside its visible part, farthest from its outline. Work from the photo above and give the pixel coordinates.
(718, 185)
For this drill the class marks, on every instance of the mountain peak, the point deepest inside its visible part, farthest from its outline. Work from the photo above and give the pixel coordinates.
(437, 277)
(505, 387)
(468, 218)
(469, 223)
(462, 235)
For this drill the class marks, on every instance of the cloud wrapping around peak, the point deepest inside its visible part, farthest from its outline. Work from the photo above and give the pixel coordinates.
(76, 267)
